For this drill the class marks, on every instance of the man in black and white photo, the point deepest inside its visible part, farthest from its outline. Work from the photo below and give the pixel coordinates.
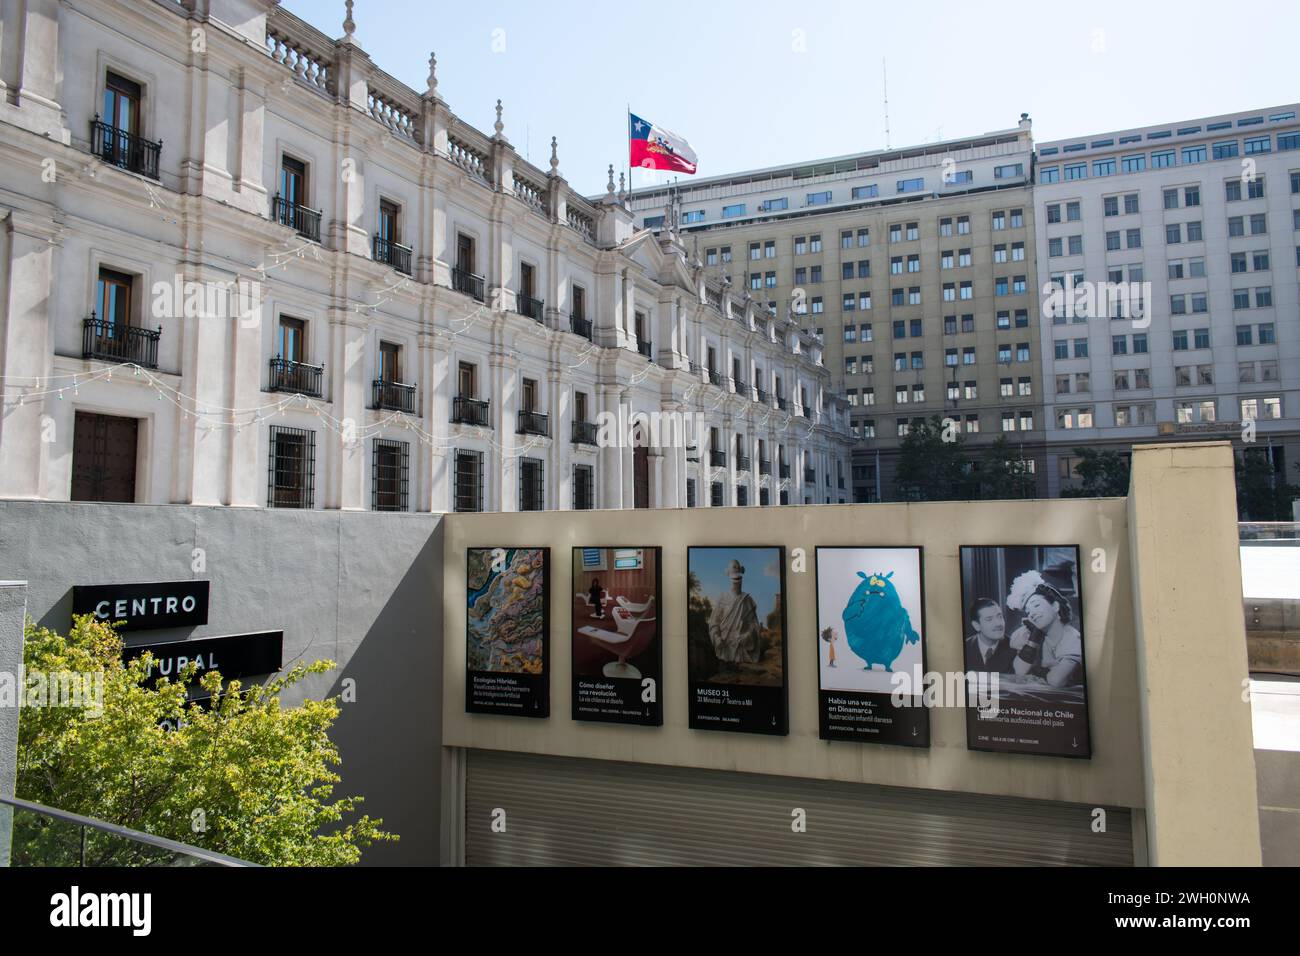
(988, 649)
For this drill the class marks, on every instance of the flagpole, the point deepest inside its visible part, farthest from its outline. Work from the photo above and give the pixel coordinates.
(627, 131)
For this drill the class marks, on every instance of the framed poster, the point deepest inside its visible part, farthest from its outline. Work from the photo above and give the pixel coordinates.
(507, 620)
(735, 633)
(1022, 614)
(871, 646)
(617, 651)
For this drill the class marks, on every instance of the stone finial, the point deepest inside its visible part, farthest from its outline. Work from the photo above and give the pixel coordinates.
(499, 126)
(349, 25)
(622, 188)
(555, 157)
(609, 187)
(433, 76)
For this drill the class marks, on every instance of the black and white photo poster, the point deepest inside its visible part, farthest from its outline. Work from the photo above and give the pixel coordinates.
(871, 646)
(1022, 615)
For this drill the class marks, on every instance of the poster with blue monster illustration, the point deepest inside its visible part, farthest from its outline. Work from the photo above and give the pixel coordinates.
(870, 644)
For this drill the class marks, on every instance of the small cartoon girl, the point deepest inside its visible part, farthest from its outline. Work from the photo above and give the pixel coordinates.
(830, 637)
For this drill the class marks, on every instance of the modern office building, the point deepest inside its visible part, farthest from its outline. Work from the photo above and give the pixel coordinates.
(1202, 216)
(914, 265)
(244, 265)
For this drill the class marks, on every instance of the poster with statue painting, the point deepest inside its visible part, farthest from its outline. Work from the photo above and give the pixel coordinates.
(870, 644)
(1022, 634)
(735, 638)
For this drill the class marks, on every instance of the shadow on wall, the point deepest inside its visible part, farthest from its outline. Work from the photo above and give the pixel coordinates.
(390, 737)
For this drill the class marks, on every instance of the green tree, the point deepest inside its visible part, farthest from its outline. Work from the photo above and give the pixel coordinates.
(932, 464)
(1263, 493)
(241, 775)
(1104, 474)
(1003, 474)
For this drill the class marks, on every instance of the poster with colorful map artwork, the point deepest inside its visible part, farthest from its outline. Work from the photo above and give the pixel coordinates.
(507, 624)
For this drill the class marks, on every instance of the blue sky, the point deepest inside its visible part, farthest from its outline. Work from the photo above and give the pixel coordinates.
(747, 90)
(762, 573)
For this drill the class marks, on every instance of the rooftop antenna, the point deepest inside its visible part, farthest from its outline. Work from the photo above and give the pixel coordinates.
(884, 66)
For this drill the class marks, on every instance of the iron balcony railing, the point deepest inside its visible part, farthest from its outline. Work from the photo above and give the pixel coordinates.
(740, 387)
(533, 423)
(783, 470)
(761, 397)
(715, 378)
(580, 326)
(584, 433)
(530, 307)
(717, 458)
(810, 475)
(305, 222)
(118, 342)
(125, 150)
(645, 348)
(840, 482)
(469, 411)
(393, 253)
(297, 377)
(782, 403)
(393, 396)
(742, 463)
(40, 836)
(764, 467)
(468, 283)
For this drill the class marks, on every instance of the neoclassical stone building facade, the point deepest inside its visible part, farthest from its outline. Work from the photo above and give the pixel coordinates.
(243, 265)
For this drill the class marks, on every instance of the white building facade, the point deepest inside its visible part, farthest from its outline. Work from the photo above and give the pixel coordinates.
(1206, 215)
(243, 265)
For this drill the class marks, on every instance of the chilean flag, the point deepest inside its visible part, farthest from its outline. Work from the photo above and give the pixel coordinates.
(653, 147)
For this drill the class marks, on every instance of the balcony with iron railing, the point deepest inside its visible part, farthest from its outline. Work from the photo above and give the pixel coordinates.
(124, 150)
(645, 348)
(297, 377)
(470, 411)
(810, 475)
(533, 423)
(468, 283)
(393, 253)
(302, 220)
(530, 307)
(764, 467)
(717, 459)
(740, 387)
(119, 342)
(393, 396)
(715, 378)
(580, 326)
(584, 433)
(742, 463)
(782, 403)
(762, 397)
(783, 470)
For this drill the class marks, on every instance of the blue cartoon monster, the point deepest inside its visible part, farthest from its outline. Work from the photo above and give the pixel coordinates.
(876, 622)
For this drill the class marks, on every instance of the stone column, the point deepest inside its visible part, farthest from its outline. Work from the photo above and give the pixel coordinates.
(26, 351)
(1197, 738)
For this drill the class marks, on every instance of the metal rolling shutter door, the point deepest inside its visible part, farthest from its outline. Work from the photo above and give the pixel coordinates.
(567, 812)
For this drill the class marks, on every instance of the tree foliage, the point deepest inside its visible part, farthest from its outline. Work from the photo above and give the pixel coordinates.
(238, 774)
(1103, 474)
(934, 465)
(1263, 493)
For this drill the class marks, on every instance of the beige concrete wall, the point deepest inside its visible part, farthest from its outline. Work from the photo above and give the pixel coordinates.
(1112, 777)
(1199, 762)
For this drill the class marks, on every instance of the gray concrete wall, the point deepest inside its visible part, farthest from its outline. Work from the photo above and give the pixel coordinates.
(362, 589)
